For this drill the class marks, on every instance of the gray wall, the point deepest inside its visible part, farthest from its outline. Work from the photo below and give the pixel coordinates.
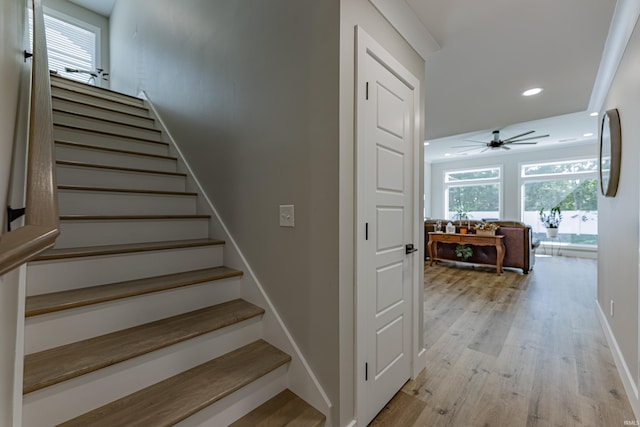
(618, 217)
(12, 68)
(249, 89)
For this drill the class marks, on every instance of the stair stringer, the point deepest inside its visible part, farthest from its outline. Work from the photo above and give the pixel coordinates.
(301, 379)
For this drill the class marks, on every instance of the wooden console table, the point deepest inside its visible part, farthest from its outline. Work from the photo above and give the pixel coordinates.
(465, 239)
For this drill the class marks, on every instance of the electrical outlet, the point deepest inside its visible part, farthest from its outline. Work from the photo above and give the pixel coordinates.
(611, 309)
(287, 216)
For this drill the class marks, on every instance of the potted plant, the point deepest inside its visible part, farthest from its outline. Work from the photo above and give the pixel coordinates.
(464, 252)
(462, 214)
(486, 228)
(551, 220)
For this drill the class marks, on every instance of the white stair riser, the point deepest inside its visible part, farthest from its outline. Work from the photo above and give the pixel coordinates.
(94, 139)
(106, 158)
(57, 403)
(140, 109)
(231, 408)
(62, 118)
(102, 113)
(107, 178)
(61, 275)
(72, 202)
(97, 92)
(97, 233)
(67, 326)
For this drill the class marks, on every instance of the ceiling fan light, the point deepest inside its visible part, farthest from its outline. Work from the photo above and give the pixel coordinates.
(532, 91)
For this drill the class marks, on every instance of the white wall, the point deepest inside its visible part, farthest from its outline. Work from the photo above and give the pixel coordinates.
(510, 168)
(12, 69)
(249, 90)
(619, 218)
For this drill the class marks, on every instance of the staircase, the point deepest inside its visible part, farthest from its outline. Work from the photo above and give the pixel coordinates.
(132, 319)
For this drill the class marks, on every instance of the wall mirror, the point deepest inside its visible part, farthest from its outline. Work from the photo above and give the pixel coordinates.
(610, 150)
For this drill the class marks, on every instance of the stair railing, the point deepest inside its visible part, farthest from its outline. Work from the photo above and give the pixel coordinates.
(42, 220)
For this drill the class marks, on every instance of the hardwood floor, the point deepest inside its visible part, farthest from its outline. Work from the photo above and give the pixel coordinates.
(512, 350)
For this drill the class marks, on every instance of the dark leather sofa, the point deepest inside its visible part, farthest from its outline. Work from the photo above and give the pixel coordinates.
(519, 244)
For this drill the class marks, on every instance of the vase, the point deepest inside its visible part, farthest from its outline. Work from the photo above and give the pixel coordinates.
(552, 233)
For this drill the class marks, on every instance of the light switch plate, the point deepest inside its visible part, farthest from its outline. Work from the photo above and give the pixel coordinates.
(286, 216)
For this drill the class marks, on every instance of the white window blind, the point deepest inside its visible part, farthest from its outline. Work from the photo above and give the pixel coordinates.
(69, 46)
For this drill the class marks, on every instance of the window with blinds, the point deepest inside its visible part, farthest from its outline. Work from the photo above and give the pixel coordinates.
(70, 45)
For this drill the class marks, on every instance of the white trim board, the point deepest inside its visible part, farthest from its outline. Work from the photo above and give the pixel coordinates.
(623, 370)
(404, 20)
(301, 379)
(625, 17)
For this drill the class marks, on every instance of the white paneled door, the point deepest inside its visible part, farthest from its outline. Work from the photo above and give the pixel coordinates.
(386, 136)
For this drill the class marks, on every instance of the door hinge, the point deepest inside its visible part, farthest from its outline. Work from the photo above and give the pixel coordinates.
(366, 372)
(366, 231)
(367, 91)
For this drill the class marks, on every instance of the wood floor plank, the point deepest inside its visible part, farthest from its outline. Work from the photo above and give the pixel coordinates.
(542, 361)
(284, 409)
(174, 399)
(59, 364)
(58, 301)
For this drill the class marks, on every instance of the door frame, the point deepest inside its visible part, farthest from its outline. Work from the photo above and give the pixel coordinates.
(366, 45)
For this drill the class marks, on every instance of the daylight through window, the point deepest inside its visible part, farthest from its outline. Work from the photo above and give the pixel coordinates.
(477, 191)
(572, 185)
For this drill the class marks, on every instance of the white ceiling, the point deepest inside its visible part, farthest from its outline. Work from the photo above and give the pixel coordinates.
(101, 7)
(493, 50)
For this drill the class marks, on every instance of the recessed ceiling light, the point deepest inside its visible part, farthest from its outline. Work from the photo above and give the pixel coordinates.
(447, 154)
(426, 143)
(533, 91)
(595, 113)
(588, 134)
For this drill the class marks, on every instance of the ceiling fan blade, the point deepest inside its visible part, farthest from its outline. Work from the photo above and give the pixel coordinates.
(521, 143)
(527, 139)
(468, 149)
(506, 148)
(484, 150)
(465, 146)
(518, 136)
(473, 140)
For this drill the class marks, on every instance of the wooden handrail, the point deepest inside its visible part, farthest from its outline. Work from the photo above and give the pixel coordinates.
(41, 221)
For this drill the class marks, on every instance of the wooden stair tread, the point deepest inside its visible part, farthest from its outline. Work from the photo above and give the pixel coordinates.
(116, 168)
(101, 119)
(104, 132)
(95, 89)
(144, 113)
(175, 399)
(126, 190)
(115, 150)
(129, 217)
(62, 363)
(64, 300)
(284, 409)
(65, 253)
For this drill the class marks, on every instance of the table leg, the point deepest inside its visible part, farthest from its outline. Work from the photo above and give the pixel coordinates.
(430, 251)
(499, 257)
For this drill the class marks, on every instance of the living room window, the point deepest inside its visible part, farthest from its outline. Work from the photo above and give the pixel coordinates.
(570, 184)
(70, 44)
(477, 190)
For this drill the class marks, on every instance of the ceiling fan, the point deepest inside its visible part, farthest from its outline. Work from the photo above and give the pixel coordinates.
(496, 142)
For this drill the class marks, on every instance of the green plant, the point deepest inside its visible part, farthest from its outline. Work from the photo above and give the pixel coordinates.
(461, 214)
(552, 219)
(464, 252)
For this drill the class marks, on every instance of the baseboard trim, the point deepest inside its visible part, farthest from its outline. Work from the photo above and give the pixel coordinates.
(623, 370)
(309, 389)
